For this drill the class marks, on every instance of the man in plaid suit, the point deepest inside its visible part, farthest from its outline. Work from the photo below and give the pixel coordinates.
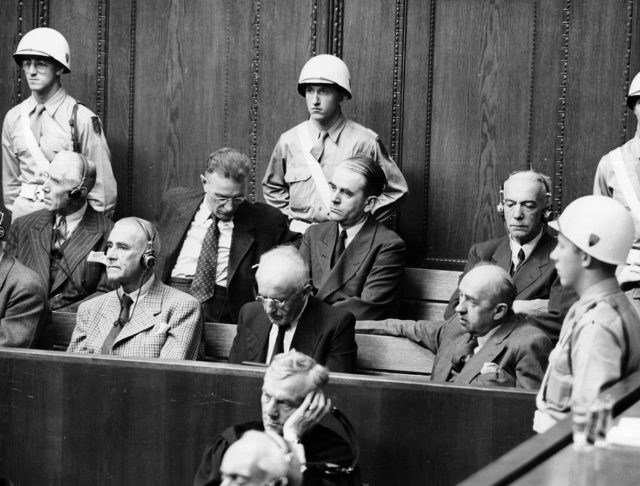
(143, 317)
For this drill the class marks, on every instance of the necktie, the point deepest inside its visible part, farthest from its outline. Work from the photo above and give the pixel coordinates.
(278, 346)
(318, 147)
(463, 351)
(339, 248)
(123, 318)
(36, 122)
(204, 280)
(520, 261)
(58, 237)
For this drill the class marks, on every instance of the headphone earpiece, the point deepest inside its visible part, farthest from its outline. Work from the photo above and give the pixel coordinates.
(148, 258)
(76, 192)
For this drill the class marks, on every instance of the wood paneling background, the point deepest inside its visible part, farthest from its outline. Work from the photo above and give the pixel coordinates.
(462, 92)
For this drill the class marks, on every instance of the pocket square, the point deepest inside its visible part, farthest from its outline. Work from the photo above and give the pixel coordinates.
(162, 328)
(97, 257)
(489, 368)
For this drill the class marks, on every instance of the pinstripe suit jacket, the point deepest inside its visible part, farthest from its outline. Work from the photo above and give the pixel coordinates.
(166, 323)
(30, 242)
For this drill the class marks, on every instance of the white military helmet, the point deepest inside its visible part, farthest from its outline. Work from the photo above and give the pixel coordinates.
(44, 42)
(325, 69)
(600, 226)
(634, 91)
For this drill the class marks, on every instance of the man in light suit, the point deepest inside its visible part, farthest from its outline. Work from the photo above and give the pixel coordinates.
(22, 301)
(143, 317)
(485, 343)
(287, 317)
(64, 243)
(524, 253)
(244, 232)
(356, 263)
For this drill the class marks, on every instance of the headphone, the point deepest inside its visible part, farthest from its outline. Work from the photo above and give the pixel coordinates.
(76, 192)
(148, 258)
(548, 212)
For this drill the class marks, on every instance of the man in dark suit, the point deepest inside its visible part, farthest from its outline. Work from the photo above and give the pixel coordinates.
(356, 263)
(485, 343)
(287, 317)
(64, 243)
(526, 206)
(221, 276)
(22, 301)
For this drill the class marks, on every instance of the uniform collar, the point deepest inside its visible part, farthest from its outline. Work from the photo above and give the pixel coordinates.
(52, 104)
(334, 132)
(599, 290)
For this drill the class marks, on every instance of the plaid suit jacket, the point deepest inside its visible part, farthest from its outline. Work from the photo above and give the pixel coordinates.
(166, 323)
(30, 242)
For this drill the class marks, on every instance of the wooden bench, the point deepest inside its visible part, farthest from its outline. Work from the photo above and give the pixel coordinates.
(376, 354)
(426, 292)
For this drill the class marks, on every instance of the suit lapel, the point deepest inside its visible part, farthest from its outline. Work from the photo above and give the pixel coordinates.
(532, 269)
(5, 265)
(326, 245)
(488, 352)
(258, 330)
(108, 315)
(184, 213)
(144, 312)
(306, 334)
(40, 242)
(241, 241)
(84, 237)
(502, 254)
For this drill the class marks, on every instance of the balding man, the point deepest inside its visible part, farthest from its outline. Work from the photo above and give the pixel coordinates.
(525, 205)
(64, 243)
(259, 459)
(287, 317)
(485, 343)
(143, 317)
(293, 404)
(356, 262)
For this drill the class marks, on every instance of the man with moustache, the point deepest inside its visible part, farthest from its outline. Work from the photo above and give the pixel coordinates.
(64, 243)
(356, 262)
(142, 318)
(305, 157)
(47, 122)
(286, 317)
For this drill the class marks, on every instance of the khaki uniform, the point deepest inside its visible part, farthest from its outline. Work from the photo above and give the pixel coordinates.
(20, 171)
(599, 345)
(289, 186)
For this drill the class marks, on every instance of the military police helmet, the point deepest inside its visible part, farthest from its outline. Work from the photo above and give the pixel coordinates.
(600, 226)
(44, 42)
(325, 69)
(634, 92)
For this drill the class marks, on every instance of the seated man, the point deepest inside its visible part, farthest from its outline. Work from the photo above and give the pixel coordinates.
(287, 317)
(64, 243)
(524, 253)
(143, 317)
(293, 403)
(356, 263)
(600, 339)
(213, 262)
(485, 343)
(260, 459)
(22, 301)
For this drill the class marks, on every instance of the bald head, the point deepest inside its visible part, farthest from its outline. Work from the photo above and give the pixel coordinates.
(70, 178)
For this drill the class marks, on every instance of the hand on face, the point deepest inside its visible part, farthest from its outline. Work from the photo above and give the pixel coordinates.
(312, 410)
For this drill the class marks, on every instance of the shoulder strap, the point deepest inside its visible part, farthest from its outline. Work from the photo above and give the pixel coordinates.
(73, 122)
(30, 139)
(622, 176)
(319, 178)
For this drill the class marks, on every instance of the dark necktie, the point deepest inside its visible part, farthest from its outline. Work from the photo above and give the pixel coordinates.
(318, 147)
(36, 122)
(339, 248)
(123, 318)
(463, 352)
(278, 346)
(204, 280)
(520, 262)
(58, 237)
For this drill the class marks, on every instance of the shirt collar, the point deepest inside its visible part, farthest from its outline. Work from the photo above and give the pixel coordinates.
(353, 231)
(203, 214)
(598, 291)
(141, 292)
(527, 247)
(482, 340)
(73, 217)
(52, 104)
(334, 132)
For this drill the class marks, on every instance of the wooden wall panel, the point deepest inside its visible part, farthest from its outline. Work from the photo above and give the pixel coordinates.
(480, 115)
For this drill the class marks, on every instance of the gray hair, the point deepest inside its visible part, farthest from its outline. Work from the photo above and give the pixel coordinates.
(285, 257)
(295, 363)
(229, 163)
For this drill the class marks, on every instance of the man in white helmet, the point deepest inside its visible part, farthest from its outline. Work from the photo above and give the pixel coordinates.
(600, 339)
(618, 176)
(305, 156)
(47, 122)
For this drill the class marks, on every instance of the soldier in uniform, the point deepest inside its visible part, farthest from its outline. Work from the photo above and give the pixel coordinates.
(47, 122)
(600, 338)
(305, 156)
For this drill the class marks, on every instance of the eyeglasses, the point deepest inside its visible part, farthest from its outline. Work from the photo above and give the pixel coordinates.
(277, 302)
(235, 201)
(40, 65)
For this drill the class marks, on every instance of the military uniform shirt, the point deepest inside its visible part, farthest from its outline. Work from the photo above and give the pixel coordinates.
(19, 166)
(289, 186)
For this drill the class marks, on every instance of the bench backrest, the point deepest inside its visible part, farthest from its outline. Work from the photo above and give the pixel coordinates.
(426, 292)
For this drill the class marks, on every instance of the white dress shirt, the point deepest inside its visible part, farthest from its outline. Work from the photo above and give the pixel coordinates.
(527, 248)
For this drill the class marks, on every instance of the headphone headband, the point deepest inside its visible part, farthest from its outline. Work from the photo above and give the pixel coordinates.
(76, 192)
